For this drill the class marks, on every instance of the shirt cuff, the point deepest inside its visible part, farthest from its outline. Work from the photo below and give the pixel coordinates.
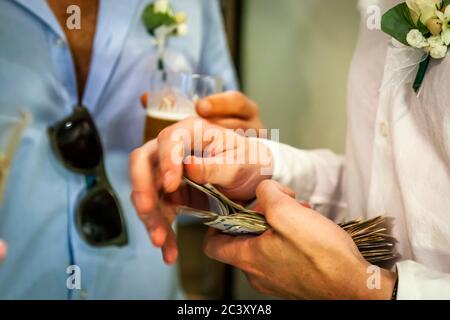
(417, 282)
(293, 168)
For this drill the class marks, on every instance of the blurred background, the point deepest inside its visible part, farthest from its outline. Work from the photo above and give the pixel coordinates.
(292, 58)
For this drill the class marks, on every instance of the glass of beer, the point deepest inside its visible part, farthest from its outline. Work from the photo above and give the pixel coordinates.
(172, 97)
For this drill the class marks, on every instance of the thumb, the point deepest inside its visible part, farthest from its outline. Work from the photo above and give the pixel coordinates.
(211, 170)
(270, 192)
(233, 179)
(278, 205)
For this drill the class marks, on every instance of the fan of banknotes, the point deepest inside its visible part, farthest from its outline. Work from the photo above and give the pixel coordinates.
(370, 236)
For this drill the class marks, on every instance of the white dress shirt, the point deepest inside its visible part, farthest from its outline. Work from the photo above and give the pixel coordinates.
(397, 161)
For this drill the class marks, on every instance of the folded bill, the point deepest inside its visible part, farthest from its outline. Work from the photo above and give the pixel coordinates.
(228, 216)
(370, 236)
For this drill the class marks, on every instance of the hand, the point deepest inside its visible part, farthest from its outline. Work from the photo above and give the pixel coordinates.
(156, 171)
(304, 256)
(3, 250)
(231, 110)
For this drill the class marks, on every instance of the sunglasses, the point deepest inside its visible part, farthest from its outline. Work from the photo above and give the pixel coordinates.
(76, 143)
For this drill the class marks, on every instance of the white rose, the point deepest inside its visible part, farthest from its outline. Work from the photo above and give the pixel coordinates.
(438, 52)
(435, 41)
(182, 29)
(161, 6)
(416, 39)
(423, 9)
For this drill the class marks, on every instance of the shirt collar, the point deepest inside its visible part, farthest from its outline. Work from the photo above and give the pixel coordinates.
(113, 24)
(42, 11)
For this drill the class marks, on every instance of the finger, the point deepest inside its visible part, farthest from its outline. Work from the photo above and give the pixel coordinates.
(212, 170)
(187, 196)
(258, 208)
(228, 104)
(158, 230)
(228, 249)
(144, 195)
(270, 192)
(234, 123)
(177, 198)
(160, 225)
(170, 249)
(233, 179)
(279, 206)
(144, 100)
(3, 250)
(193, 134)
(171, 153)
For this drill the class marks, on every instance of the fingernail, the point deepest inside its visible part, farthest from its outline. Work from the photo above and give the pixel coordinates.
(205, 107)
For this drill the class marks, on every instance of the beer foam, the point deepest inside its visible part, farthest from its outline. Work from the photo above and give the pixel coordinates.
(168, 116)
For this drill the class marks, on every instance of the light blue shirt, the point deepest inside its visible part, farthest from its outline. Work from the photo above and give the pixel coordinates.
(37, 74)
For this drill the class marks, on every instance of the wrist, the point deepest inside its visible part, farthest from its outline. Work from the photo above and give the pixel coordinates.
(385, 290)
(388, 284)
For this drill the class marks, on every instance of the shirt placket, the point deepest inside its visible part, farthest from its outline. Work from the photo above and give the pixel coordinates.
(65, 69)
(382, 177)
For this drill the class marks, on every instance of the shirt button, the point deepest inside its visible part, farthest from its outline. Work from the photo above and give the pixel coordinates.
(83, 294)
(59, 42)
(384, 129)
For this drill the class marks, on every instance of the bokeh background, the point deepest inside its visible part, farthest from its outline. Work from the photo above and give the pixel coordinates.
(292, 57)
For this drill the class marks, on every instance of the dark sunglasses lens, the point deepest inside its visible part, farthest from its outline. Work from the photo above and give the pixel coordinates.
(78, 144)
(100, 217)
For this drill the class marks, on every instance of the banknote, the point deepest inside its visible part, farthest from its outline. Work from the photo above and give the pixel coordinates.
(225, 215)
(372, 237)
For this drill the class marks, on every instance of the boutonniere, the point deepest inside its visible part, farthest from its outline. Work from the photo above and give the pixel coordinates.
(161, 22)
(421, 24)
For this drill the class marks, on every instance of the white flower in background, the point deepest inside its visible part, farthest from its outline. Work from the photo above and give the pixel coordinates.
(182, 29)
(423, 9)
(161, 6)
(438, 52)
(416, 39)
(445, 19)
(435, 41)
(161, 23)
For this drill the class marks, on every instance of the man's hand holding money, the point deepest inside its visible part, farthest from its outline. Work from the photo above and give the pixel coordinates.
(203, 152)
(303, 256)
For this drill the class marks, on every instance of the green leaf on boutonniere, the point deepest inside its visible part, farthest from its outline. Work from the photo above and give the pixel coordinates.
(153, 20)
(397, 22)
(446, 2)
(423, 29)
(423, 67)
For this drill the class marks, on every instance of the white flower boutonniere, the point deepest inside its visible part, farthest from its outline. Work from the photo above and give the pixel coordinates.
(421, 24)
(161, 22)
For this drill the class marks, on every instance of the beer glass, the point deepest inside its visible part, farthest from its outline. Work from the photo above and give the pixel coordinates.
(172, 97)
